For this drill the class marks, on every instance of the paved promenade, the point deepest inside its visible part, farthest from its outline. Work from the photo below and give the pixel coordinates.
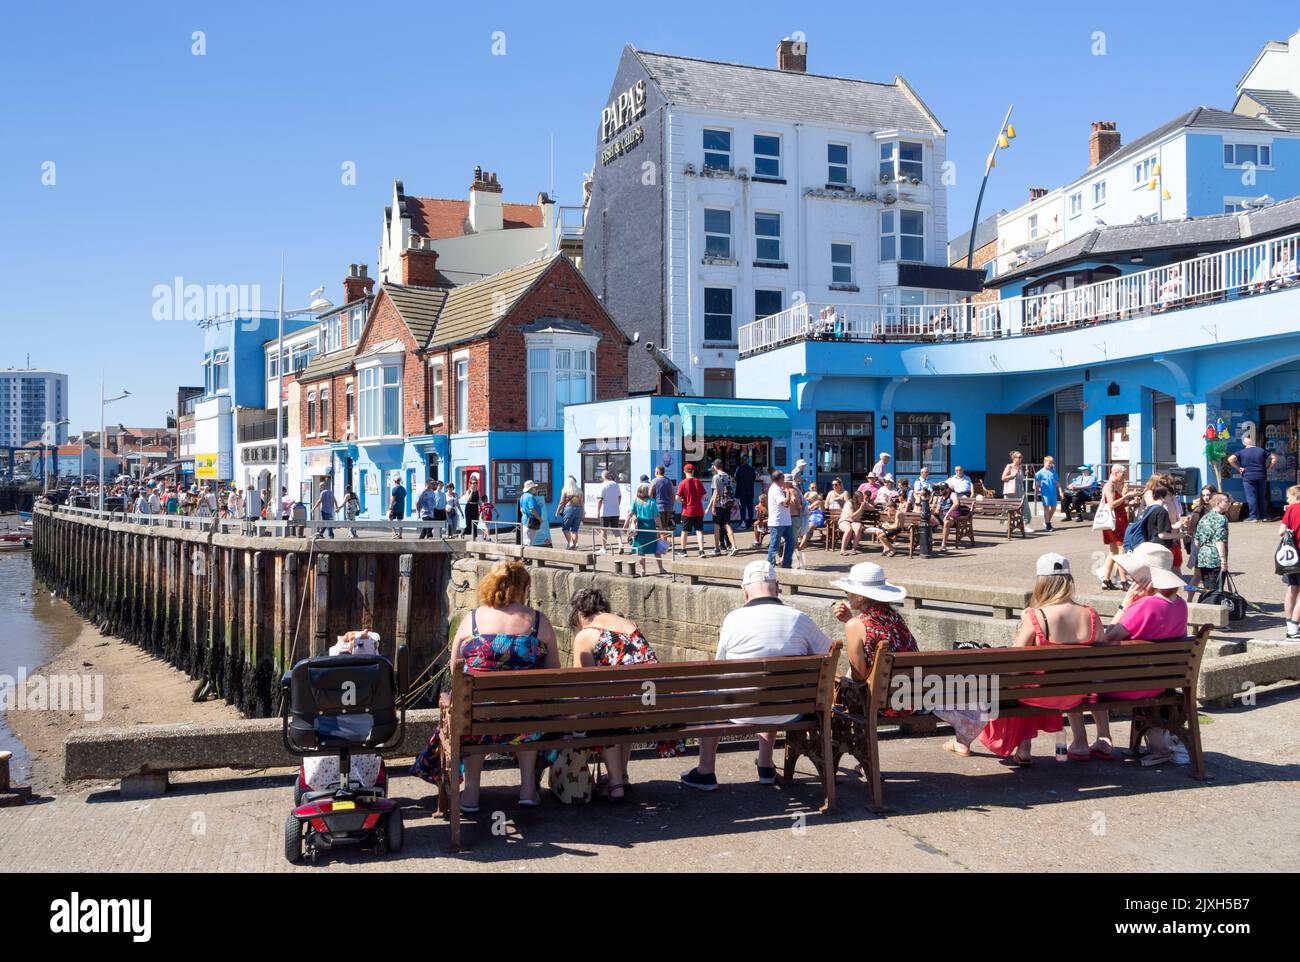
(948, 814)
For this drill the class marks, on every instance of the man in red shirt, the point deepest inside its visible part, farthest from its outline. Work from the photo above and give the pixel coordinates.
(1291, 601)
(690, 492)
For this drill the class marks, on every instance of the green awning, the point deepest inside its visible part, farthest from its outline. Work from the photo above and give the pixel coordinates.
(733, 420)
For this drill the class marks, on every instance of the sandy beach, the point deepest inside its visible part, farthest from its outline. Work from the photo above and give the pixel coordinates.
(138, 689)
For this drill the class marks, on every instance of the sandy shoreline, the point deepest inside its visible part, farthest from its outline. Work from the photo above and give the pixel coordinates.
(138, 688)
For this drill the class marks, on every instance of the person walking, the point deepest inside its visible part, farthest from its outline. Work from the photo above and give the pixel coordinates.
(607, 504)
(1291, 598)
(720, 501)
(691, 494)
(324, 510)
(426, 505)
(781, 497)
(1049, 490)
(453, 511)
(351, 507)
(1253, 463)
(1113, 497)
(473, 501)
(642, 523)
(745, 478)
(397, 506)
(664, 495)
(1211, 544)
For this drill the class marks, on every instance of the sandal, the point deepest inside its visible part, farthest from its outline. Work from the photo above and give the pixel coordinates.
(606, 791)
(1015, 761)
(961, 751)
(1106, 756)
(1163, 758)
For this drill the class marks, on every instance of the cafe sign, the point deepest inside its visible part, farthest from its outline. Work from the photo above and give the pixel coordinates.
(622, 110)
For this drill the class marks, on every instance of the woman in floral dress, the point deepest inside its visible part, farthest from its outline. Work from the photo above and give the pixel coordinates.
(502, 634)
(604, 639)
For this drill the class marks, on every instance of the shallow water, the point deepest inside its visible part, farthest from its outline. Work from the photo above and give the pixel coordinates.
(33, 627)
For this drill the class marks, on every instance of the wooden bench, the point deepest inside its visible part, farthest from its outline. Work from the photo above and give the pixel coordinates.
(1008, 511)
(1028, 673)
(574, 708)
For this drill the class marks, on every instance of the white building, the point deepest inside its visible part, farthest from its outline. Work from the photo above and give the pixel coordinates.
(1204, 162)
(724, 193)
(474, 238)
(32, 403)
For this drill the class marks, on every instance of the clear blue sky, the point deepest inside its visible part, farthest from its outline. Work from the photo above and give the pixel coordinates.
(212, 167)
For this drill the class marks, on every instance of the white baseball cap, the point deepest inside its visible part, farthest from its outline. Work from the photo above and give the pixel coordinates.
(757, 571)
(1052, 564)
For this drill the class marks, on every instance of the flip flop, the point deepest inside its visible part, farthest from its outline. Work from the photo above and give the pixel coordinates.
(951, 746)
(1104, 756)
(1151, 761)
(1012, 762)
(530, 802)
(1076, 757)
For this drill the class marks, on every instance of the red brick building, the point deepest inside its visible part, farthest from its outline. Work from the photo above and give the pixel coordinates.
(451, 381)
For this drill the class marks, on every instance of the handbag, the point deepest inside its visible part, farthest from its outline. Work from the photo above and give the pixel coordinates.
(569, 777)
(1286, 560)
(1228, 597)
(1104, 519)
(817, 518)
(661, 546)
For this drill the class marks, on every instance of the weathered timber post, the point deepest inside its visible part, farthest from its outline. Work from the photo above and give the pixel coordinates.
(321, 606)
(404, 564)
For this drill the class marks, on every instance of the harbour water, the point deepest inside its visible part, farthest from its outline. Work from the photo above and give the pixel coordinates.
(33, 627)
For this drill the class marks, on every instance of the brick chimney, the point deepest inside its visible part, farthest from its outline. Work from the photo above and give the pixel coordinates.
(1037, 193)
(484, 202)
(792, 55)
(420, 263)
(1102, 142)
(357, 284)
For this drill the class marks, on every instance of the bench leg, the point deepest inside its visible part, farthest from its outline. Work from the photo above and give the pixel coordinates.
(791, 758)
(828, 765)
(872, 769)
(1193, 728)
(452, 775)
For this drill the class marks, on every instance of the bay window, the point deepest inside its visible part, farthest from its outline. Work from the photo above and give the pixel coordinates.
(902, 158)
(462, 395)
(561, 371)
(380, 401)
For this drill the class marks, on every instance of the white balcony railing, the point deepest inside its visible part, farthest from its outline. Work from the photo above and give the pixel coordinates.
(1239, 272)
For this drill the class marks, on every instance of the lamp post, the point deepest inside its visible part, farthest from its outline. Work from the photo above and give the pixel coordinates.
(103, 403)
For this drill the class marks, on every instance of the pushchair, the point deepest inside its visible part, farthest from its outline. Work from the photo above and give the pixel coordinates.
(337, 705)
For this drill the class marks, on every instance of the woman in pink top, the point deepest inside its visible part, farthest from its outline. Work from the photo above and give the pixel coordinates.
(1154, 609)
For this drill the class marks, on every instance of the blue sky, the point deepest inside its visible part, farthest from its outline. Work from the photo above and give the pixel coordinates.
(213, 167)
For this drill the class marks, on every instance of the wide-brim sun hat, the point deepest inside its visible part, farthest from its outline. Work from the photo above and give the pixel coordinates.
(1158, 562)
(867, 580)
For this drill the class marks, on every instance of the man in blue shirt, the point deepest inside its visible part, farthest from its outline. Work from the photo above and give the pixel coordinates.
(1081, 489)
(1254, 463)
(427, 505)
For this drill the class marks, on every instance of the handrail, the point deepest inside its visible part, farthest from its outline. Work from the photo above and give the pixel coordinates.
(1239, 272)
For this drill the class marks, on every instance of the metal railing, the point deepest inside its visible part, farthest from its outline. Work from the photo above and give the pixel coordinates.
(1240, 272)
(266, 527)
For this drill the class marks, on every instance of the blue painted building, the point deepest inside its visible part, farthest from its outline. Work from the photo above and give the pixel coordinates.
(1127, 370)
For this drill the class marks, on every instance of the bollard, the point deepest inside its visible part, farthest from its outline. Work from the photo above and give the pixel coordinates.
(11, 794)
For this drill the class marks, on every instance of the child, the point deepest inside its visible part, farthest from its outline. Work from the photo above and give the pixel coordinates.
(760, 522)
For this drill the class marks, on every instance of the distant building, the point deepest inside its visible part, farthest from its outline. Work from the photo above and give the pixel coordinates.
(1204, 161)
(985, 257)
(32, 403)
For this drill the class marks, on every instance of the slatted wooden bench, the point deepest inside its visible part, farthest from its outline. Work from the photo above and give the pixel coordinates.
(1031, 673)
(574, 708)
(1006, 511)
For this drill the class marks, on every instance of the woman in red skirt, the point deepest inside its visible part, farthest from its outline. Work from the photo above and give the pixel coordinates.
(1112, 495)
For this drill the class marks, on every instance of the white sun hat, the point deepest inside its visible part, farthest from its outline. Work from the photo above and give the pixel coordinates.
(868, 581)
(1158, 562)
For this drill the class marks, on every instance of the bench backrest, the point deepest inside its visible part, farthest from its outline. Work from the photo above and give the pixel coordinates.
(1067, 670)
(559, 701)
(996, 505)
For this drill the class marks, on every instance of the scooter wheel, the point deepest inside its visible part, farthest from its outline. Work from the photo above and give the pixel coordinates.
(394, 831)
(292, 839)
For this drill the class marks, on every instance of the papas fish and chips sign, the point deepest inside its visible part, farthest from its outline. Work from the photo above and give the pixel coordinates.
(623, 110)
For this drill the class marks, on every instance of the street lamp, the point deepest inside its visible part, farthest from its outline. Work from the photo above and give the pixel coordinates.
(319, 303)
(103, 403)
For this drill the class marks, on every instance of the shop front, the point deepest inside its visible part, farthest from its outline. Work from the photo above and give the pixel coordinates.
(845, 448)
(922, 440)
(731, 433)
(1279, 427)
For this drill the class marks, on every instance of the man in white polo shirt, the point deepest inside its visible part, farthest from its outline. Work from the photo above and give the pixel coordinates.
(762, 628)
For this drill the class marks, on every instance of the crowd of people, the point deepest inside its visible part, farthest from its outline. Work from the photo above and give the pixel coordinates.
(504, 633)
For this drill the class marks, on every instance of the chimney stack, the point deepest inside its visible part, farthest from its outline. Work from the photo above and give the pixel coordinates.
(484, 202)
(1102, 142)
(792, 55)
(1037, 193)
(357, 284)
(420, 264)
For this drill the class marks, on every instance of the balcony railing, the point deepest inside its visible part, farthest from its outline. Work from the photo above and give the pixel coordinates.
(1239, 272)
